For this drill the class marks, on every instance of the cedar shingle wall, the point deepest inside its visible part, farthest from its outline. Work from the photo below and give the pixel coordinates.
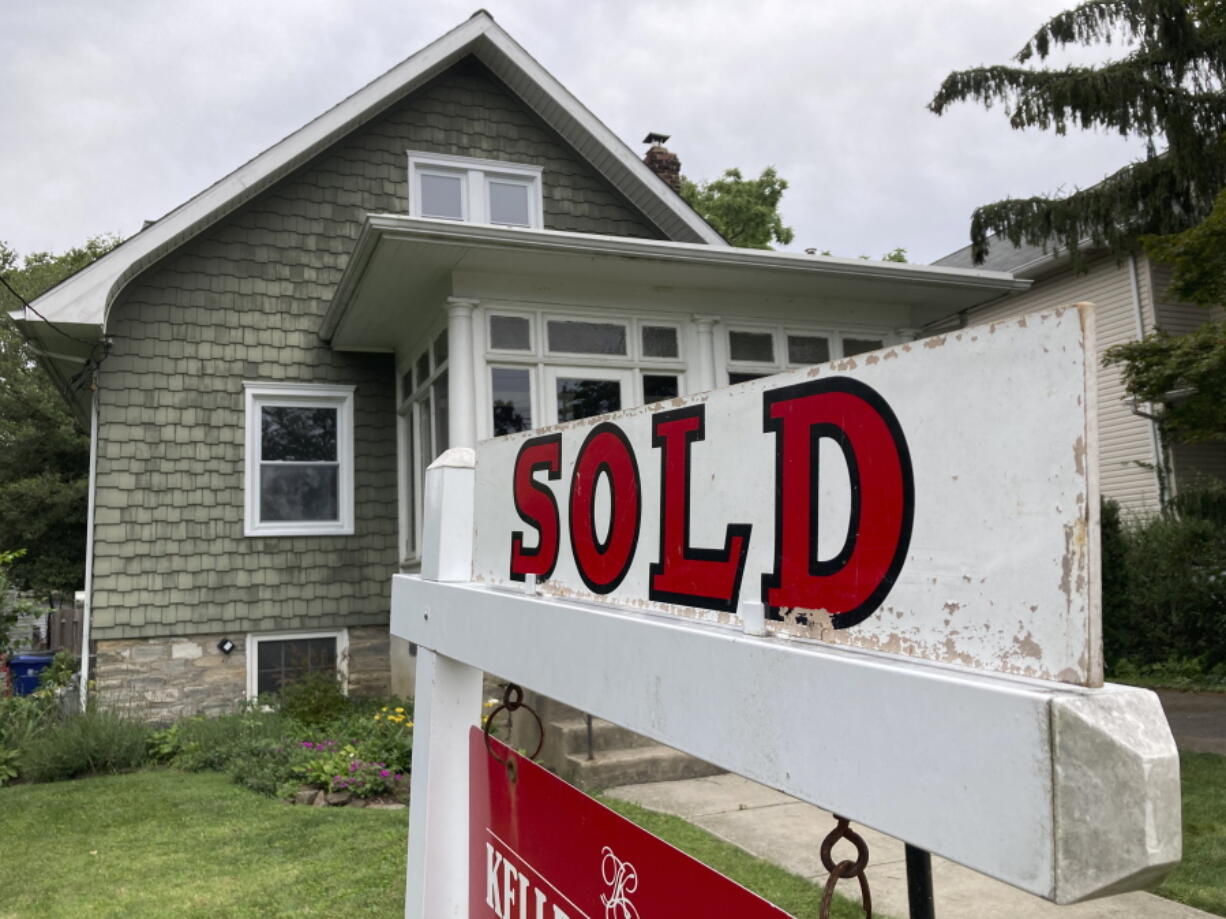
(243, 302)
(1124, 440)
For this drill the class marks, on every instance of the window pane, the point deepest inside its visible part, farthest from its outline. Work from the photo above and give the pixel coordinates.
(510, 333)
(441, 196)
(293, 492)
(441, 435)
(752, 346)
(734, 378)
(659, 341)
(296, 434)
(585, 398)
(859, 345)
(658, 387)
(440, 349)
(279, 663)
(508, 203)
(808, 349)
(587, 337)
(423, 369)
(512, 390)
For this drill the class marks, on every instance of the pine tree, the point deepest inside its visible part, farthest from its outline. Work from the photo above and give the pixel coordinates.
(1168, 89)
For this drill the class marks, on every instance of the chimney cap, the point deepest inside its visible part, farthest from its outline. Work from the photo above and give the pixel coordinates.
(655, 138)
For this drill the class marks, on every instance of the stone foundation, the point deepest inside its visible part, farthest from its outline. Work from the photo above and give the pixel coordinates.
(165, 679)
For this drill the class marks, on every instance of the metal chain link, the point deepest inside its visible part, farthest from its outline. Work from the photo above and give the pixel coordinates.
(845, 868)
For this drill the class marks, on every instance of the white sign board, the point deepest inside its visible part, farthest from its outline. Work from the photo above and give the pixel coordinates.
(935, 500)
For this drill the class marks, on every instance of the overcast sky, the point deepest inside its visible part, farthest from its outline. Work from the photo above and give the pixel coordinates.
(113, 112)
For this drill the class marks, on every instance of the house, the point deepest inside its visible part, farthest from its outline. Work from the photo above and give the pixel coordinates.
(458, 250)
(1131, 300)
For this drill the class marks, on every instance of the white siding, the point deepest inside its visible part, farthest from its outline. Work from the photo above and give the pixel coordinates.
(1188, 461)
(1126, 446)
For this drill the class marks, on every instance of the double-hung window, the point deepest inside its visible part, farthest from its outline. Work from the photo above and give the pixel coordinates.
(474, 190)
(299, 459)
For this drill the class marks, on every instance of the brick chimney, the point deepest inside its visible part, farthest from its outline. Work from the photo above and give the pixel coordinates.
(662, 162)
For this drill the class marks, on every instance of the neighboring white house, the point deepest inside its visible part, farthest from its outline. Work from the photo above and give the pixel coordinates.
(1132, 300)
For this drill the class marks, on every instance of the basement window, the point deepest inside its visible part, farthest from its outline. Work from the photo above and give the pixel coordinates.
(299, 459)
(475, 190)
(275, 660)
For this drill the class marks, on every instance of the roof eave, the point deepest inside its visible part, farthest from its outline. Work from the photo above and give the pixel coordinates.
(379, 227)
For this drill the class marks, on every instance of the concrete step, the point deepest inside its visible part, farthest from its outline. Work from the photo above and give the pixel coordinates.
(572, 736)
(654, 763)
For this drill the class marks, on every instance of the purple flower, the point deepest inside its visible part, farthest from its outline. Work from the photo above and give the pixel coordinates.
(307, 744)
(384, 773)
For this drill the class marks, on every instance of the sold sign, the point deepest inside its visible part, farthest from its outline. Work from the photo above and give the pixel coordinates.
(860, 503)
(849, 586)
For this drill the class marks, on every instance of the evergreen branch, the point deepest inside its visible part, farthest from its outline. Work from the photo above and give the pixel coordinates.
(1163, 22)
(1146, 197)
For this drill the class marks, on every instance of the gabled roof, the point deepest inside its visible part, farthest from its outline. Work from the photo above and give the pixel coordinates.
(85, 298)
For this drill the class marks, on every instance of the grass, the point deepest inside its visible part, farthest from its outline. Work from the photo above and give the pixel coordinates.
(798, 896)
(160, 843)
(1200, 879)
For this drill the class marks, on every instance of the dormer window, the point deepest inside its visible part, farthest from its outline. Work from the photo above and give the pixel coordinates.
(474, 190)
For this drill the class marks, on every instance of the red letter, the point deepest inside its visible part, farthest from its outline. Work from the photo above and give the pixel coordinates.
(854, 583)
(710, 578)
(537, 507)
(602, 565)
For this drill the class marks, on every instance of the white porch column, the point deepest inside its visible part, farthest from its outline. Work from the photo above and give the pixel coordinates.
(704, 364)
(461, 386)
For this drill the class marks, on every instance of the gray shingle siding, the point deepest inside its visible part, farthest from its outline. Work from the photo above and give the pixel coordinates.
(243, 302)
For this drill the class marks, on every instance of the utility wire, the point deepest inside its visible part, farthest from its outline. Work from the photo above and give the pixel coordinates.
(92, 362)
(26, 304)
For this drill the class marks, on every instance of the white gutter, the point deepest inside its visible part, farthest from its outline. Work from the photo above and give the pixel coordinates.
(89, 548)
(1154, 436)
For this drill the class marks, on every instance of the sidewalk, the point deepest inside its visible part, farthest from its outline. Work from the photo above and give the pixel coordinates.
(787, 832)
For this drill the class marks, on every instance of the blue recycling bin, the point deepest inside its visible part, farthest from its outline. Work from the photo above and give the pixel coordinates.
(27, 669)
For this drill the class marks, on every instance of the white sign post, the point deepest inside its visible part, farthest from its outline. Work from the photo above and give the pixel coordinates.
(897, 549)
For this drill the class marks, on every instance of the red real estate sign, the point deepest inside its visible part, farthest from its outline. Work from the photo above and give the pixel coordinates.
(541, 849)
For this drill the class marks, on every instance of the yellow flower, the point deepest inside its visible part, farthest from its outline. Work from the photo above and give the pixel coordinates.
(377, 717)
(399, 710)
(409, 725)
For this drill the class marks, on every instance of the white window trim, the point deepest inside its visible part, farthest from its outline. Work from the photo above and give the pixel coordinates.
(476, 172)
(342, 653)
(644, 360)
(305, 395)
(584, 357)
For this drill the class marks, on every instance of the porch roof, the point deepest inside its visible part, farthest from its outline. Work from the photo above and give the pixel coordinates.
(402, 268)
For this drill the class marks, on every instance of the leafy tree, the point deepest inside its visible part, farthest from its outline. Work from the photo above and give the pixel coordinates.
(44, 457)
(1167, 89)
(743, 211)
(1185, 374)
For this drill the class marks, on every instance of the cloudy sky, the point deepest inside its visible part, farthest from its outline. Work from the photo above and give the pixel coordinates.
(117, 111)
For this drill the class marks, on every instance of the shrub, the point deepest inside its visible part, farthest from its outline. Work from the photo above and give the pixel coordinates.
(314, 699)
(84, 743)
(1164, 587)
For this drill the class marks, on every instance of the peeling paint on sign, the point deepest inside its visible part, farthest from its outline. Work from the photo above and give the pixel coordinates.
(936, 502)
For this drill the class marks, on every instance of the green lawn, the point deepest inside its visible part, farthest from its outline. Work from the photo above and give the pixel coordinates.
(163, 843)
(1200, 879)
(160, 843)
